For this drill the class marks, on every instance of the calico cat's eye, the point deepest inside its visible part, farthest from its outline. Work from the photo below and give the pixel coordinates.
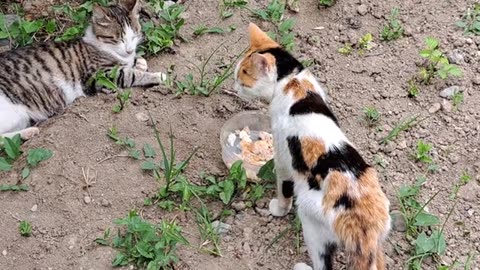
(244, 71)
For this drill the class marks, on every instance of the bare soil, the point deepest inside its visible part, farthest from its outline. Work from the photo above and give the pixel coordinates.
(65, 226)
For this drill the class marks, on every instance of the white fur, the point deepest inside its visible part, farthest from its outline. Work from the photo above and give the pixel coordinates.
(15, 119)
(263, 89)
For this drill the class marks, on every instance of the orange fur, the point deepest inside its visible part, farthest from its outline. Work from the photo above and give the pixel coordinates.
(249, 70)
(259, 40)
(338, 185)
(294, 86)
(312, 149)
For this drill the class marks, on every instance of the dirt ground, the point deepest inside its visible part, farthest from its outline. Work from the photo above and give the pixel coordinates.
(65, 226)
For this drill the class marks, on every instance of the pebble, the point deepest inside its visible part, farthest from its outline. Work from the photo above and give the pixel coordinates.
(239, 206)
(4, 252)
(450, 91)
(34, 208)
(105, 203)
(434, 108)
(142, 117)
(402, 145)
(476, 80)
(87, 199)
(454, 158)
(362, 10)
(262, 212)
(447, 106)
(246, 248)
(220, 227)
(455, 57)
(398, 221)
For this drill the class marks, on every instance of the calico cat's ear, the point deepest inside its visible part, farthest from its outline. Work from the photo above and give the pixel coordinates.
(259, 40)
(100, 16)
(263, 62)
(131, 5)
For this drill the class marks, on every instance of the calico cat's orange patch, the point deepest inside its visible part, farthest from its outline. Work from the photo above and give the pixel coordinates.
(307, 85)
(296, 88)
(259, 40)
(312, 149)
(338, 185)
(249, 69)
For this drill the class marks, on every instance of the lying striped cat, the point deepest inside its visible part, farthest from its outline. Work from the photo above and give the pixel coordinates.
(40, 81)
(339, 199)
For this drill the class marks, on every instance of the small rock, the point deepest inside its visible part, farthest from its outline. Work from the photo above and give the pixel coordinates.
(455, 57)
(398, 221)
(362, 9)
(105, 203)
(220, 227)
(470, 212)
(239, 206)
(476, 80)
(246, 248)
(142, 117)
(354, 23)
(402, 145)
(447, 106)
(454, 158)
(435, 108)
(4, 252)
(87, 199)
(34, 208)
(262, 212)
(450, 91)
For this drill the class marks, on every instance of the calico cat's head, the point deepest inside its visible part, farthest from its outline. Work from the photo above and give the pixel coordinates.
(265, 63)
(116, 29)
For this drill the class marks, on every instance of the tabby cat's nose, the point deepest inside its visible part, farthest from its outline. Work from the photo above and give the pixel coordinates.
(129, 51)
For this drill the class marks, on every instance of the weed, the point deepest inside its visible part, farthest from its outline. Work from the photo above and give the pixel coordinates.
(457, 99)
(202, 29)
(413, 89)
(400, 127)
(127, 142)
(437, 64)
(465, 178)
(273, 12)
(209, 234)
(423, 152)
(365, 43)
(226, 7)
(380, 161)
(25, 228)
(34, 157)
(393, 29)
(5, 187)
(347, 49)
(470, 21)
(372, 115)
(267, 171)
(146, 245)
(308, 62)
(22, 32)
(326, 3)
(123, 97)
(161, 37)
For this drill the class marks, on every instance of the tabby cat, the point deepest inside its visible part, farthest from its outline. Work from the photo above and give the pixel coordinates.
(40, 81)
(338, 196)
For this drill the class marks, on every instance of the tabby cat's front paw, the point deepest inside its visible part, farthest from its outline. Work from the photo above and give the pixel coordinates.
(302, 266)
(141, 64)
(160, 77)
(277, 209)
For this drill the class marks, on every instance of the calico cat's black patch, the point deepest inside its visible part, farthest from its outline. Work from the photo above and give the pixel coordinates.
(344, 201)
(312, 103)
(327, 256)
(287, 188)
(295, 147)
(346, 158)
(286, 63)
(313, 183)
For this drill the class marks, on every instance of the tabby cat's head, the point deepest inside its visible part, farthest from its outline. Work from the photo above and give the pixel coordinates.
(116, 29)
(263, 65)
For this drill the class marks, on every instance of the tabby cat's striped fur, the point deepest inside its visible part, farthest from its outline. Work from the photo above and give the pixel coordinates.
(40, 81)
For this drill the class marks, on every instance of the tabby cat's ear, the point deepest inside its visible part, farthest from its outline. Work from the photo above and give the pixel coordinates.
(100, 16)
(131, 5)
(259, 40)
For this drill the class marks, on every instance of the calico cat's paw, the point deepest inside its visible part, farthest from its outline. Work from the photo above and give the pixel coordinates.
(29, 133)
(141, 64)
(302, 266)
(278, 210)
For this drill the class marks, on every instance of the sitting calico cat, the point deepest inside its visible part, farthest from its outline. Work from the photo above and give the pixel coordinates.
(338, 196)
(40, 81)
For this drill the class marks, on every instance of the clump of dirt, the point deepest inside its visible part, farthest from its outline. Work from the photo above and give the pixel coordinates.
(67, 217)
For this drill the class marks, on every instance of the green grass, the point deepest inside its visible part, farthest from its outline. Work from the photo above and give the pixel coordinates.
(470, 22)
(393, 29)
(144, 244)
(347, 49)
(457, 99)
(423, 153)
(465, 178)
(25, 228)
(326, 3)
(371, 115)
(365, 43)
(400, 127)
(24, 32)
(227, 7)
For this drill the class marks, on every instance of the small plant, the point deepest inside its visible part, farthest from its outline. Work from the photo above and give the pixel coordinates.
(25, 228)
(273, 12)
(347, 49)
(326, 3)
(161, 37)
(123, 97)
(413, 90)
(127, 142)
(22, 32)
(470, 22)
(209, 234)
(400, 127)
(465, 178)
(365, 43)
(203, 29)
(457, 99)
(437, 64)
(372, 115)
(423, 152)
(226, 7)
(146, 245)
(6, 187)
(393, 29)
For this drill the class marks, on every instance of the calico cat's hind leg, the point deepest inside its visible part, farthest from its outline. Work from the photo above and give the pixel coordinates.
(281, 205)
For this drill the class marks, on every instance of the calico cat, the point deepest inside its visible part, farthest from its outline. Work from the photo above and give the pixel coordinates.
(38, 82)
(338, 196)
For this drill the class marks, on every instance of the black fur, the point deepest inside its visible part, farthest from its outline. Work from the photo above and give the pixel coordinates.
(344, 201)
(328, 254)
(313, 183)
(295, 147)
(287, 188)
(346, 158)
(312, 103)
(286, 63)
